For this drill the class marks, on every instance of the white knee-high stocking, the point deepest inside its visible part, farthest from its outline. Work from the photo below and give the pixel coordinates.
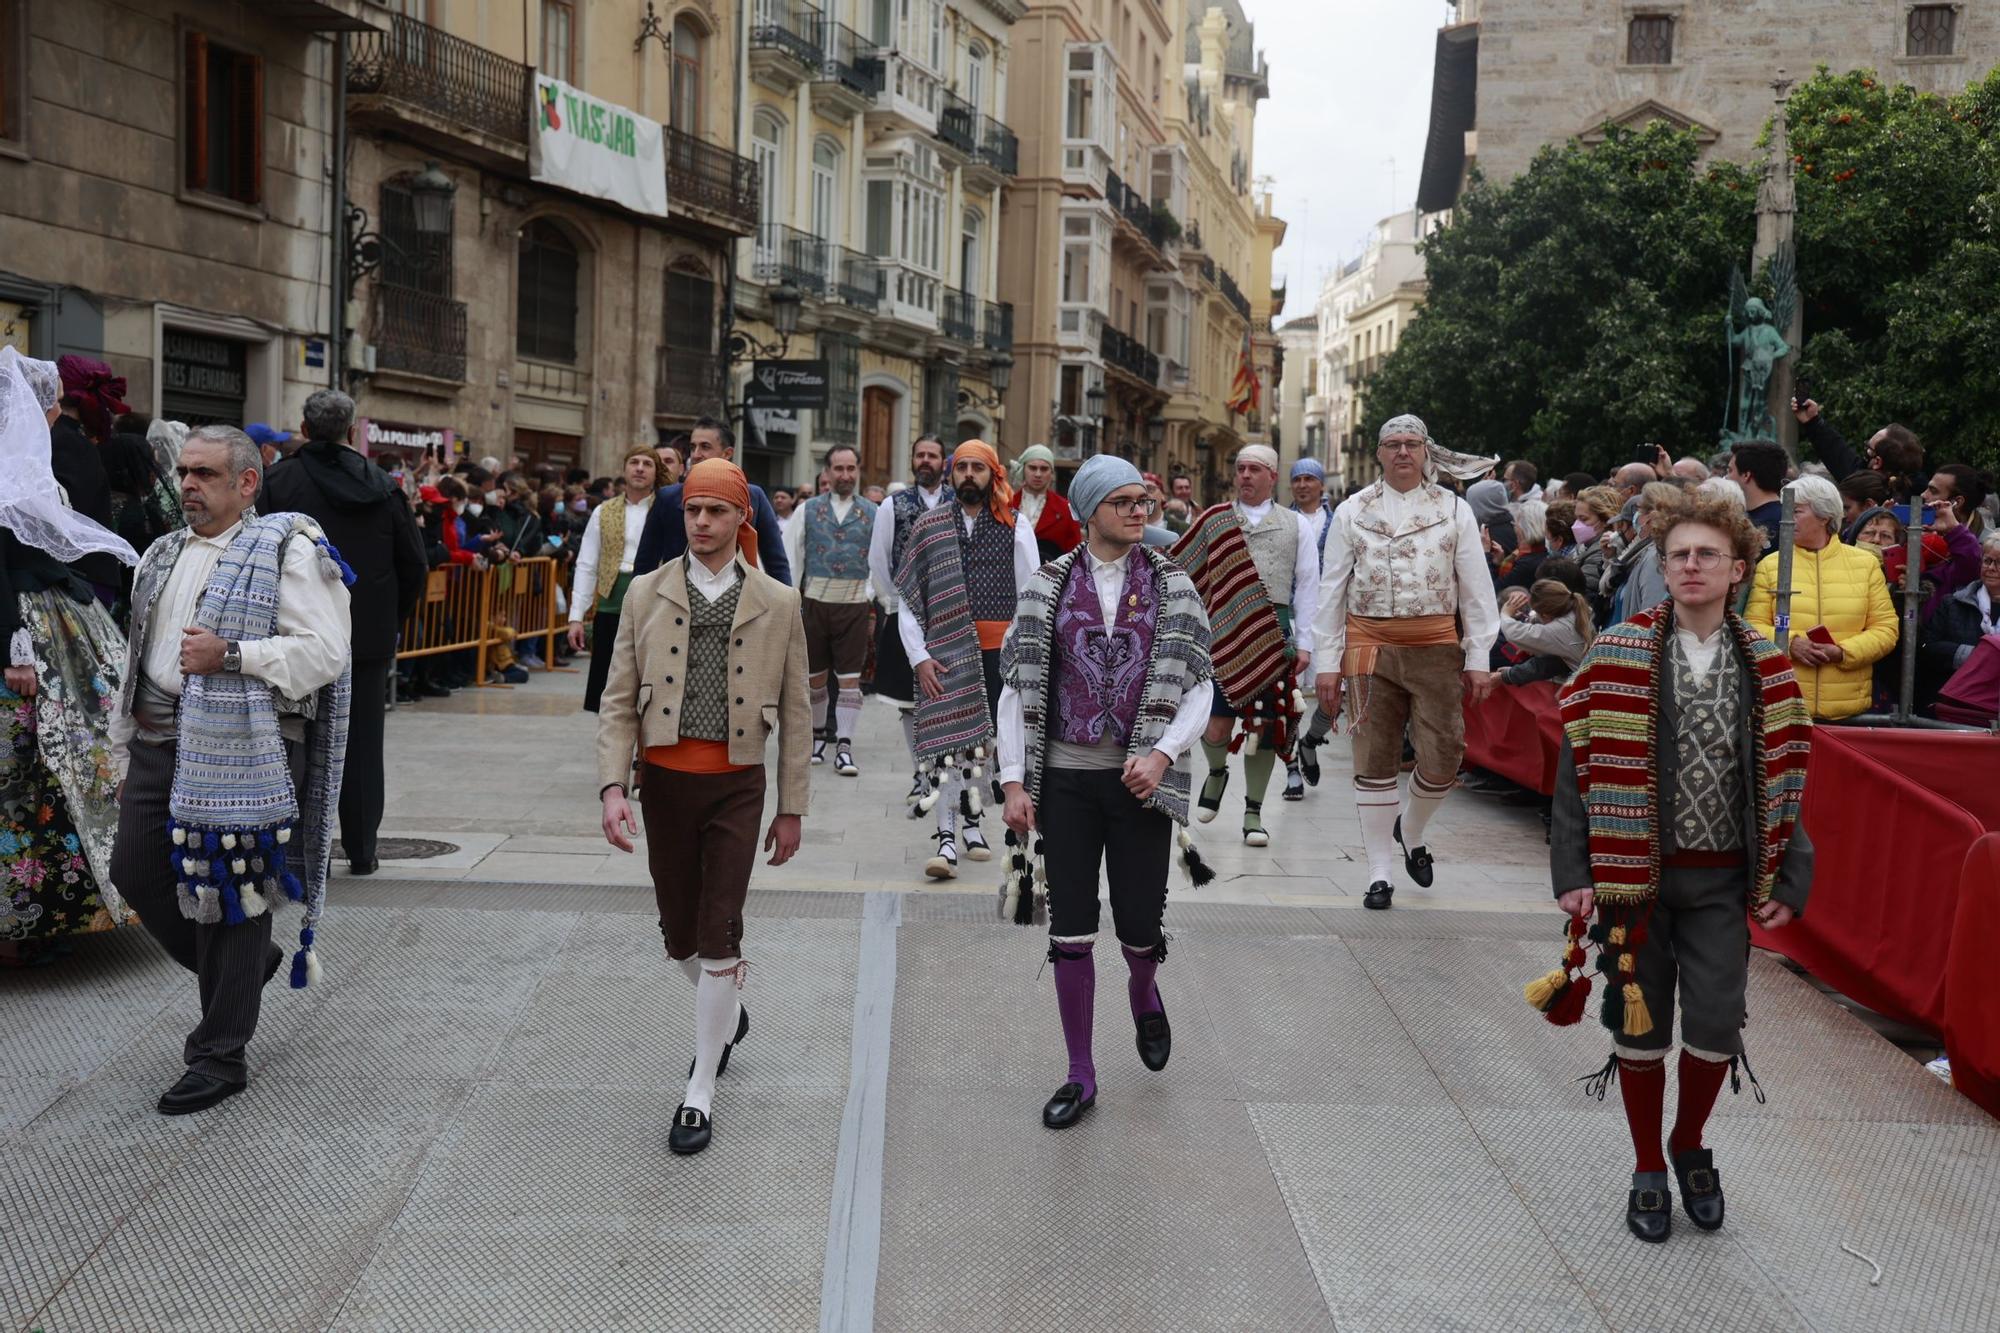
(714, 1025)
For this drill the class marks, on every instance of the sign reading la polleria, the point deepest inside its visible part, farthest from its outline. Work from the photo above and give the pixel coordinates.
(598, 148)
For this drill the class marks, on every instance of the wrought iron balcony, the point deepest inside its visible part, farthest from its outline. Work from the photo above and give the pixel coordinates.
(418, 333)
(852, 278)
(787, 27)
(998, 335)
(959, 316)
(447, 77)
(957, 123)
(998, 148)
(714, 180)
(1129, 355)
(850, 70)
(786, 254)
(1233, 294)
(1202, 263)
(687, 383)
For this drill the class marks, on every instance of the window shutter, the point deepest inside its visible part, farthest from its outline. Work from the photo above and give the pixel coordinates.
(197, 111)
(249, 113)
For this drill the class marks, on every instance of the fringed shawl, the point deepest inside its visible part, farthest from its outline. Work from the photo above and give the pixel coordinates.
(1249, 640)
(932, 584)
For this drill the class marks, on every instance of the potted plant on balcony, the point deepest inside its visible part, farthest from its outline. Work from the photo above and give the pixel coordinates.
(1166, 223)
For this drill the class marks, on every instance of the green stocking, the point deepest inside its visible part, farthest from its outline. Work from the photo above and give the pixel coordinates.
(1218, 772)
(1257, 773)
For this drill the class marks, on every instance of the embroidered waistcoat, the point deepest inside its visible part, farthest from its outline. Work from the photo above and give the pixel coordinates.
(1708, 762)
(1274, 549)
(987, 556)
(835, 549)
(1408, 571)
(1100, 670)
(705, 702)
(908, 507)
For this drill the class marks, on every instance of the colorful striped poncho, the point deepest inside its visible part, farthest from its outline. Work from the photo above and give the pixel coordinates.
(1248, 638)
(1611, 717)
(932, 585)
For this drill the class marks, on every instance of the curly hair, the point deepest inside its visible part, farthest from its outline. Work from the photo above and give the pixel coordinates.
(1745, 538)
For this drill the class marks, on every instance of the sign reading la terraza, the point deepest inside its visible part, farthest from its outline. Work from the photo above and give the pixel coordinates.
(793, 384)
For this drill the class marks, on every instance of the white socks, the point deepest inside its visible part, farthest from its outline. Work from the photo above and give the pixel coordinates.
(691, 966)
(847, 708)
(1376, 802)
(947, 806)
(1423, 802)
(714, 1025)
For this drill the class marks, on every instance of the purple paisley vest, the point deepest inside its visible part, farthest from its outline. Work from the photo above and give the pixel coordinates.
(1100, 676)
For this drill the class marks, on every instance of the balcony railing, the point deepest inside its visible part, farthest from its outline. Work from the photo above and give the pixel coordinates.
(688, 383)
(906, 293)
(1194, 237)
(849, 59)
(418, 333)
(1234, 295)
(959, 316)
(1129, 355)
(1133, 205)
(790, 26)
(786, 254)
(704, 176)
(446, 76)
(957, 122)
(852, 278)
(1173, 376)
(998, 148)
(998, 335)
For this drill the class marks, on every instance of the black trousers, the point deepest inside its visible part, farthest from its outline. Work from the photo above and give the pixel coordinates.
(1089, 820)
(603, 637)
(228, 961)
(361, 780)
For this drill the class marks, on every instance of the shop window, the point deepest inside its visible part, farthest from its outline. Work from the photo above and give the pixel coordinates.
(546, 304)
(1650, 40)
(1933, 30)
(559, 40)
(223, 95)
(840, 422)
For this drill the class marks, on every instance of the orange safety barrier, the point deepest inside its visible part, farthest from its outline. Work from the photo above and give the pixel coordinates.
(486, 611)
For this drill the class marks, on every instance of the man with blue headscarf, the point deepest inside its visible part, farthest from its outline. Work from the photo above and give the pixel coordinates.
(1105, 685)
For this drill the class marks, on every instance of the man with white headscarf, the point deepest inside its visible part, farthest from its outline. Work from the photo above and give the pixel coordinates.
(1262, 629)
(1406, 615)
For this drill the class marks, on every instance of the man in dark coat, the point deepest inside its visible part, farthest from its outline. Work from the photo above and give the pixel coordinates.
(90, 394)
(665, 535)
(369, 522)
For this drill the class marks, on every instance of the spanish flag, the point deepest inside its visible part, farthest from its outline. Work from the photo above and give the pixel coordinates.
(1244, 391)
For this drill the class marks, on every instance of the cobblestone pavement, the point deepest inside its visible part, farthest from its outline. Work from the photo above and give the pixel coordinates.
(1362, 1127)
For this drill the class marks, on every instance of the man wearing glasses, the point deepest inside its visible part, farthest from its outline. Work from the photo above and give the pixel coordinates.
(1106, 673)
(1256, 565)
(1406, 620)
(1675, 822)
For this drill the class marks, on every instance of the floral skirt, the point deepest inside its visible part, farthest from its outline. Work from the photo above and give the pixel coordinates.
(58, 791)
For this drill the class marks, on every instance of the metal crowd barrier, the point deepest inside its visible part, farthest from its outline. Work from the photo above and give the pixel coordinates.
(467, 609)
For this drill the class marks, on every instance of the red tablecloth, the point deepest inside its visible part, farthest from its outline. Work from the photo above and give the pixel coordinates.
(1516, 733)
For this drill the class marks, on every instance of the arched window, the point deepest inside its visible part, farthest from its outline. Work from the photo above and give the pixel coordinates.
(826, 220)
(767, 150)
(975, 76)
(688, 49)
(546, 304)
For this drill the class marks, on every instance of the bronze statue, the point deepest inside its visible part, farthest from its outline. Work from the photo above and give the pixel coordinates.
(1756, 346)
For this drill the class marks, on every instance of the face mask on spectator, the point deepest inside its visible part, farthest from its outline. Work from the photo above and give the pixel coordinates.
(458, 506)
(475, 508)
(1583, 532)
(580, 506)
(495, 498)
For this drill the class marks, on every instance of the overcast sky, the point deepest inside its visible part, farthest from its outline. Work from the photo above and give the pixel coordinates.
(1350, 94)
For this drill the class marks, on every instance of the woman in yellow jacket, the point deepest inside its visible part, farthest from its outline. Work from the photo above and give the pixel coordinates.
(1836, 586)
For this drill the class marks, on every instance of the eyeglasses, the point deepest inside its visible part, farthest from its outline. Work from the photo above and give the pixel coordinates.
(1143, 504)
(1989, 562)
(1399, 446)
(1702, 558)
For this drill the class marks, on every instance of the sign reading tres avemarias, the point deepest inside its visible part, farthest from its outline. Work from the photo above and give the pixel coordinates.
(597, 148)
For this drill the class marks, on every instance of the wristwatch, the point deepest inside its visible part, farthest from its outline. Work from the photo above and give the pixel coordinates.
(232, 657)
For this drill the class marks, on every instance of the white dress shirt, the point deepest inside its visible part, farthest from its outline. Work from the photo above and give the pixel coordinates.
(1190, 718)
(882, 542)
(590, 552)
(1027, 559)
(1700, 653)
(308, 651)
(1031, 504)
(1305, 572)
(713, 583)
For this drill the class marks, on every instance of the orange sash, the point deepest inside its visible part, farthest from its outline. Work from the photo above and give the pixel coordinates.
(1368, 635)
(693, 756)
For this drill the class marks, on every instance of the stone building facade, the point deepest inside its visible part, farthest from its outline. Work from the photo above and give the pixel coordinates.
(164, 204)
(883, 145)
(1514, 75)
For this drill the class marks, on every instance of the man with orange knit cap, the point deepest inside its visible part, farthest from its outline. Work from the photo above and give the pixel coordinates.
(960, 580)
(706, 643)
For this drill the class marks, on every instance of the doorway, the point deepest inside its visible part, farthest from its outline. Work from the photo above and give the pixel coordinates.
(878, 426)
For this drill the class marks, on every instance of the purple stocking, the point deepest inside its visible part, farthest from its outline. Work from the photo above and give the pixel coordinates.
(1139, 987)
(1076, 992)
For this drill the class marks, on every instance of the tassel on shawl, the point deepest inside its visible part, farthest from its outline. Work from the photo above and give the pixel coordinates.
(1561, 994)
(1198, 871)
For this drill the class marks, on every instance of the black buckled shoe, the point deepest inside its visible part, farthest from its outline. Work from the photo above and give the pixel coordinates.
(1309, 760)
(1378, 895)
(1701, 1187)
(196, 1092)
(1067, 1106)
(1417, 863)
(691, 1131)
(1649, 1209)
(742, 1030)
(1156, 1038)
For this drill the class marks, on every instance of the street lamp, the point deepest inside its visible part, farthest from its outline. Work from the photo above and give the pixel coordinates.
(1093, 401)
(1000, 375)
(430, 201)
(785, 301)
(1156, 431)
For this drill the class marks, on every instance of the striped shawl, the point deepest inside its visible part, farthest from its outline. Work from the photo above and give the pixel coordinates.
(1180, 661)
(1251, 654)
(1611, 715)
(932, 584)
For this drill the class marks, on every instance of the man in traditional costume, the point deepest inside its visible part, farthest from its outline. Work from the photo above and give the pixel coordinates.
(1106, 685)
(230, 731)
(1309, 502)
(605, 565)
(1406, 618)
(1257, 569)
(1676, 822)
(710, 659)
(1047, 512)
(834, 531)
(887, 545)
(961, 576)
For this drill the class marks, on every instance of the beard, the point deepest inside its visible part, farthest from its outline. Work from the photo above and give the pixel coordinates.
(970, 493)
(927, 477)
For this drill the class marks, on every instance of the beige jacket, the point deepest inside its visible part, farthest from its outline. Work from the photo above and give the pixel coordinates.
(641, 706)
